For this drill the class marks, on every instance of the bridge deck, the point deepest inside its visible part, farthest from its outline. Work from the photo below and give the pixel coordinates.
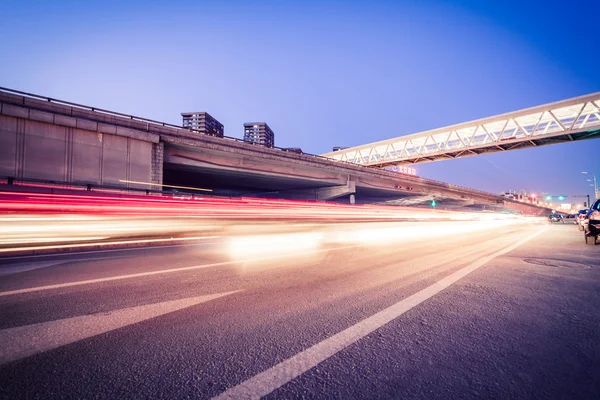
(564, 121)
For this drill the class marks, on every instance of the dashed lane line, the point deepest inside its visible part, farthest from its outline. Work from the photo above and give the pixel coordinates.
(25, 341)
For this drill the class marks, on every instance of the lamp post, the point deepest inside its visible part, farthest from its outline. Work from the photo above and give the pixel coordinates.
(595, 185)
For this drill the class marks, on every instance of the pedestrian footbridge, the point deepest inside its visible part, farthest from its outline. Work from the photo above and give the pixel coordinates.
(563, 121)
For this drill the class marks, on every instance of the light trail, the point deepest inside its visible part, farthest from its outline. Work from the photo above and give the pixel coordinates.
(60, 221)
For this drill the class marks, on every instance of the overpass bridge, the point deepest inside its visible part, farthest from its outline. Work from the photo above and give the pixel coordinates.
(563, 121)
(52, 140)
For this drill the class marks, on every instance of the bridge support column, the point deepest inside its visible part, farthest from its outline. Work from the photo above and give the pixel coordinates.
(333, 192)
(158, 151)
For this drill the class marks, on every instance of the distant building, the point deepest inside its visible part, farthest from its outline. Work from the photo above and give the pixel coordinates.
(202, 122)
(259, 133)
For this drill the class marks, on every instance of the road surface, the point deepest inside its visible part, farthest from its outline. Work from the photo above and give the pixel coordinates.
(512, 313)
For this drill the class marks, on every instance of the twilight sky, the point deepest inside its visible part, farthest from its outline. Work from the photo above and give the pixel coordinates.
(323, 73)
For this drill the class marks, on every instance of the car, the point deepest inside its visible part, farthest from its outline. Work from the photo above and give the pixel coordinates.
(552, 218)
(580, 217)
(591, 224)
(571, 219)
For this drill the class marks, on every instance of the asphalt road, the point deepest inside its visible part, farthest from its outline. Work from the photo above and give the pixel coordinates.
(512, 312)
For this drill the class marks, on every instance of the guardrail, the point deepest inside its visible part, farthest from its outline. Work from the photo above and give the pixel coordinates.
(413, 178)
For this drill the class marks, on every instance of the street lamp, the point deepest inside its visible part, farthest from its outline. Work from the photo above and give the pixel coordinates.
(595, 185)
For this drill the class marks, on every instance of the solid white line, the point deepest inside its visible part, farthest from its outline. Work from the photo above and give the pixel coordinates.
(159, 272)
(24, 341)
(75, 245)
(23, 267)
(79, 253)
(267, 381)
(111, 278)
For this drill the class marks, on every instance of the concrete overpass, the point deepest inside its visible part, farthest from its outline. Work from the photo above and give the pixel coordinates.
(563, 121)
(47, 139)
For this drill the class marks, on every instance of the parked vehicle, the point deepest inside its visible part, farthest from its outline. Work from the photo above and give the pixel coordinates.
(571, 219)
(556, 218)
(580, 217)
(591, 224)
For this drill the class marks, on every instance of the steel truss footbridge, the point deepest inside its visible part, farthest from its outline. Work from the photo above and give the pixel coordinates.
(563, 121)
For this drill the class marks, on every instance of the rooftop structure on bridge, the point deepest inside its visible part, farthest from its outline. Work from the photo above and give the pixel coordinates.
(563, 121)
(203, 122)
(259, 133)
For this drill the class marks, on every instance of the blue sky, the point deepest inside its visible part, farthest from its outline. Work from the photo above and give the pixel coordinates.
(323, 73)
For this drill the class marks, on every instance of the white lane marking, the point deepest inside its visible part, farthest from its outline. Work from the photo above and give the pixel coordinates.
(24, 341)
(33, 265)
(101, 251)
(267, 381)
(149, 273)
(24, 267)
(111, 278)
(121, 242)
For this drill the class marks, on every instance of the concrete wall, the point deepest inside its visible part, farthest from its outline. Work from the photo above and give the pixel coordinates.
(527, 209)
(8, 146)
(44, 150)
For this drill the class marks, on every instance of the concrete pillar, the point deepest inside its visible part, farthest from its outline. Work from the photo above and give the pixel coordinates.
(158, 152)
(333, 192)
